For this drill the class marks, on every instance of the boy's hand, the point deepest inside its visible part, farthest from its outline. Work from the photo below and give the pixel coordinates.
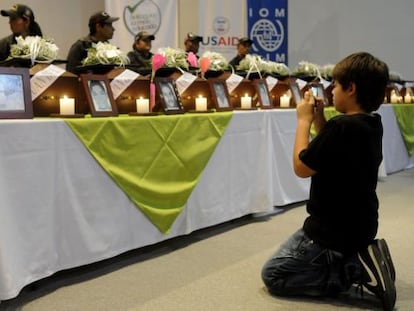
(306, 109)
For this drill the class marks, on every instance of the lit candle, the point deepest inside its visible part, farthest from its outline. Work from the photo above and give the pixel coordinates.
(142, 105)
(246, 102)
(67, 105)
(284, 101)
(394, 98)
(201, 103)
(407, 98)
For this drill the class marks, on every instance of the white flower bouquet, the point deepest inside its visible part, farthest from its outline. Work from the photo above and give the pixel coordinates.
(252, 63)
(106, 54)
(218, 62)
(307, 69)
(327, 71)
(35, 48)
(174, 57)
(280, 69)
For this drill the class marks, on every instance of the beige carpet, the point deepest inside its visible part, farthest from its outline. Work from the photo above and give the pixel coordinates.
(219, 268)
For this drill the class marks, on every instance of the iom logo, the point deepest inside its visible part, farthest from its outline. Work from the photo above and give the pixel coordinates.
(268, 35)
(144, 15)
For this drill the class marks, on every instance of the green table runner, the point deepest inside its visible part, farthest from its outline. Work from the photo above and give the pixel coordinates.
(404, 114)
(156, 161)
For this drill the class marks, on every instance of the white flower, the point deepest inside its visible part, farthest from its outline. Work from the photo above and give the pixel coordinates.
(218, 62)
(307, 69)
(34, 48)
(174, 57)
(105, 53)
(255, 63)
(326, 71)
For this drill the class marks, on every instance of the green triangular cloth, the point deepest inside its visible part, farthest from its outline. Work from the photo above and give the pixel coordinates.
(157, 160)
(405, 122)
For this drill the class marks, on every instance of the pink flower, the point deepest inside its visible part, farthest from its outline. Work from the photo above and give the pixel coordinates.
(204, 64)
(192, 59)
(157, 62)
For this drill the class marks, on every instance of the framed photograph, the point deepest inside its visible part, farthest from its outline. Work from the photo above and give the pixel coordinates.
(263, 93)
(296, 94)
(99, 95)
(168, 95)
(220, 94)
(15, 93)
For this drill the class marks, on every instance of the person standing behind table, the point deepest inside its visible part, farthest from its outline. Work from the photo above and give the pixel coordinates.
(336, 246)
(192, 43)
(141, 54)
(100, 30)
(243, 48)
(22, 23)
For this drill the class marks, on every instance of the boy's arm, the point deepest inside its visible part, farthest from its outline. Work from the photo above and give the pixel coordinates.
(305, 115)
(320, 120)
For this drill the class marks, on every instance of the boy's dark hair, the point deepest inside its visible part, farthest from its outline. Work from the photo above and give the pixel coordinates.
(370, 76)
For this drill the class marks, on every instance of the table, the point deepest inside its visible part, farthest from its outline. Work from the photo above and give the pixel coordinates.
(59, 208)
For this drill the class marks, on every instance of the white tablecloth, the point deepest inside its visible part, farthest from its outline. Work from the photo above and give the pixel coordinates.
(59, 209)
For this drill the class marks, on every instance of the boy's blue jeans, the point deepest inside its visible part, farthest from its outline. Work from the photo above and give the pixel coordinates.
(302, 267)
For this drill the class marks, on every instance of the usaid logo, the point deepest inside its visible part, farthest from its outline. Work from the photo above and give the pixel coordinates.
(142, 16)
(221, 25)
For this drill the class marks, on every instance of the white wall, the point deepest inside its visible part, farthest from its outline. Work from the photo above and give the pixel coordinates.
(320, 31)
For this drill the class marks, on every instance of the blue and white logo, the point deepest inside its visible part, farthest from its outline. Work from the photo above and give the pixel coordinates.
(267, 35)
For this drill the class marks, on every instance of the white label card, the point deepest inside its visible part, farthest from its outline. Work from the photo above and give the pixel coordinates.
(233, 81)
(271, 82)
(43, 79)
(122, 81)
(184, 81)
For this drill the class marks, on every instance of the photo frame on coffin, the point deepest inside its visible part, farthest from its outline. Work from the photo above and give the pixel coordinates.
(99, 95)
(263, 94)
(15, 93)
(296, 93)
(169, 97)
(220, 94)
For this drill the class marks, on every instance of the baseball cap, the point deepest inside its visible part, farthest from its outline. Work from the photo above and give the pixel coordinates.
(245, 40)
(19, 10)
(193, 37)
(143, 35)
(101, 17)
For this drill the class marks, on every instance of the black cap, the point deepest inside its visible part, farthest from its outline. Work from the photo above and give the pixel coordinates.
(19, 10)
(102, 18)
(143, 35)
(193, 37)
(246, 41)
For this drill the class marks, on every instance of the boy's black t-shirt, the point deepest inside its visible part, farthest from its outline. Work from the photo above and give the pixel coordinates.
(343, 205)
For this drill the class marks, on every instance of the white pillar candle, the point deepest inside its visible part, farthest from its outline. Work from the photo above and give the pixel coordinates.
(394, 98)
(284, 101)
(246, 102)
(407, 98)
(67, 105)
(201, 103)
(142, 105)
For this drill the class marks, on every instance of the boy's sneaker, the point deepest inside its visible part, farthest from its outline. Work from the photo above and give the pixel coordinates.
(383, 247)
(375, 276)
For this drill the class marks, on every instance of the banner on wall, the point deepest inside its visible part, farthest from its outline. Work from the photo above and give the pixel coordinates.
(267, 27)
(221, 23)
(158, 17)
